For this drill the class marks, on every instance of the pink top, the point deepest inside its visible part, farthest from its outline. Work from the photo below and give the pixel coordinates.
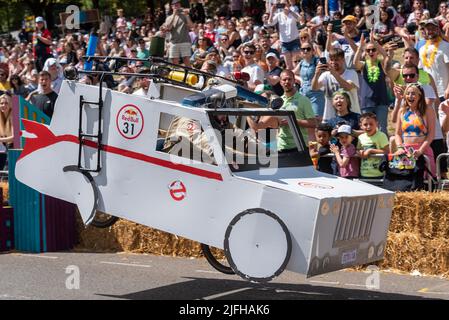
(353, 167)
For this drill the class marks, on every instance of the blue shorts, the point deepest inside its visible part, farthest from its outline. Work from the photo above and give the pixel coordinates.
(291, 46)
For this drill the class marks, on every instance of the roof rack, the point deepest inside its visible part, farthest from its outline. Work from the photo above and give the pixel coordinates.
(159, 70)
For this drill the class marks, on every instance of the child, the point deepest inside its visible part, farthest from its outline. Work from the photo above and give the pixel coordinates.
(349, 166)
(372, 142)
(321, 148)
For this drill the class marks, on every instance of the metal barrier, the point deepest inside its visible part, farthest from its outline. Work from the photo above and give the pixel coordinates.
(441, 182)
(381, 180)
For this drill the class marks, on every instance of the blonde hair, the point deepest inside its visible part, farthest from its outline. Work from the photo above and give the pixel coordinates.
(6, 118)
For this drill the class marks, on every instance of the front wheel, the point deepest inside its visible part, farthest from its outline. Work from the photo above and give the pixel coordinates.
(213, 261)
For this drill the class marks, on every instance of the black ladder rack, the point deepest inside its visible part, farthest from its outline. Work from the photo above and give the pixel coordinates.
(82, 135)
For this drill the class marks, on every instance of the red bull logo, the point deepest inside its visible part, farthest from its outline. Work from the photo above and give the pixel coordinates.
(129, 121)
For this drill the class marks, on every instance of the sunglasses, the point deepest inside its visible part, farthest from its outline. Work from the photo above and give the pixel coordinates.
(248, 52)
(306, 49)
(408, 75)
(371, 50)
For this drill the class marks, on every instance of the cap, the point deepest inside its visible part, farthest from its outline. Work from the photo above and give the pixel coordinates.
(175, 1)
(50, 62)
(349, 18)
(344, 129)
(39, 19)
(431, 21)
(209, 20)
(272, 54)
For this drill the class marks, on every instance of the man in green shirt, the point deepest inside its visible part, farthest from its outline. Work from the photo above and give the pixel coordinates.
(300, 105)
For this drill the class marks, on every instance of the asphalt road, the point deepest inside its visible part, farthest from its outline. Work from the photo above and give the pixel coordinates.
(129, 276)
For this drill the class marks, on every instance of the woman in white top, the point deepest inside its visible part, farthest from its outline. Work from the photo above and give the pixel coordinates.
(288, 30)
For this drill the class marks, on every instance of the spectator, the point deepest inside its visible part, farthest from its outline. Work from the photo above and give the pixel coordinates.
(17, 86)
(374, 96)
(6, 128)
(371, 142)
(120, 23)
(45, 101)
(383, 28)
(416, 125)
(251, 67)
(400, 19)
(333, 76)
(41, 44)
(32, 81)
(4, 83)
(343, 114)
(68, 56)
(288, 32)
(348, 41)
(332, 6)
(345, 156)
(197, 13)
(178, 24)
(273, 74)
(418, 10)
(236, 8)
(55, 70)
(304, 72)
(295, 102)
(434, 56)
(233, 35)
(321, 147)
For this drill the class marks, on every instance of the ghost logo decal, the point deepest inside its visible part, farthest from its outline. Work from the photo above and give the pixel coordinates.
(177, 190)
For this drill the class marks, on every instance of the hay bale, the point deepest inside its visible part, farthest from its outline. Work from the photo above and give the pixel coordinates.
(423, 213)
(132, 237)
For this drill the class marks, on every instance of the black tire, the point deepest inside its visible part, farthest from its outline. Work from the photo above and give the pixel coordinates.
(214, 262)
(105, 222)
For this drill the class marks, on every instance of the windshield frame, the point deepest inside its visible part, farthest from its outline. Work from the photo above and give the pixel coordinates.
(293, 125)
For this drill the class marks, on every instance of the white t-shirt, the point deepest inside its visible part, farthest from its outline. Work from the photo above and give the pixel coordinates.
(329, 85)
(439, 69)
(288, 31)
(429, 93)
(411, 17)
(255, 73)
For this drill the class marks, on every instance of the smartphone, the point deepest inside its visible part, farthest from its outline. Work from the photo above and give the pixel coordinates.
(280, 6)
(323, 60)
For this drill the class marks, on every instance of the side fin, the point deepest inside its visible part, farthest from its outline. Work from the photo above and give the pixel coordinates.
(86, 192)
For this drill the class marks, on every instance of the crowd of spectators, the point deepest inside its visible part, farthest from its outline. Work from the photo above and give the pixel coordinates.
(358, 65)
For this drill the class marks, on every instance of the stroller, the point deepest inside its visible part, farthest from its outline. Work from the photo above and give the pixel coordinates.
(404, 172)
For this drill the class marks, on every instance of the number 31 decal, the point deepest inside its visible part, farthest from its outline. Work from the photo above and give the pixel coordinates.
(129, 121)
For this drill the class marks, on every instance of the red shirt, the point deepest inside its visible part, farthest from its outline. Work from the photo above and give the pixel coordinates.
(40, 48)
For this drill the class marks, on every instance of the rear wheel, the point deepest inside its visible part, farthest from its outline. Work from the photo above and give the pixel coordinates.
(103, 220)
(214, 262)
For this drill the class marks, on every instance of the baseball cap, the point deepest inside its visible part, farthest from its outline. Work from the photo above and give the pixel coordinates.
(344, 129)
(349, 18)
(50, 61)
(272, 54)
(431, 21)
(39, 19)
